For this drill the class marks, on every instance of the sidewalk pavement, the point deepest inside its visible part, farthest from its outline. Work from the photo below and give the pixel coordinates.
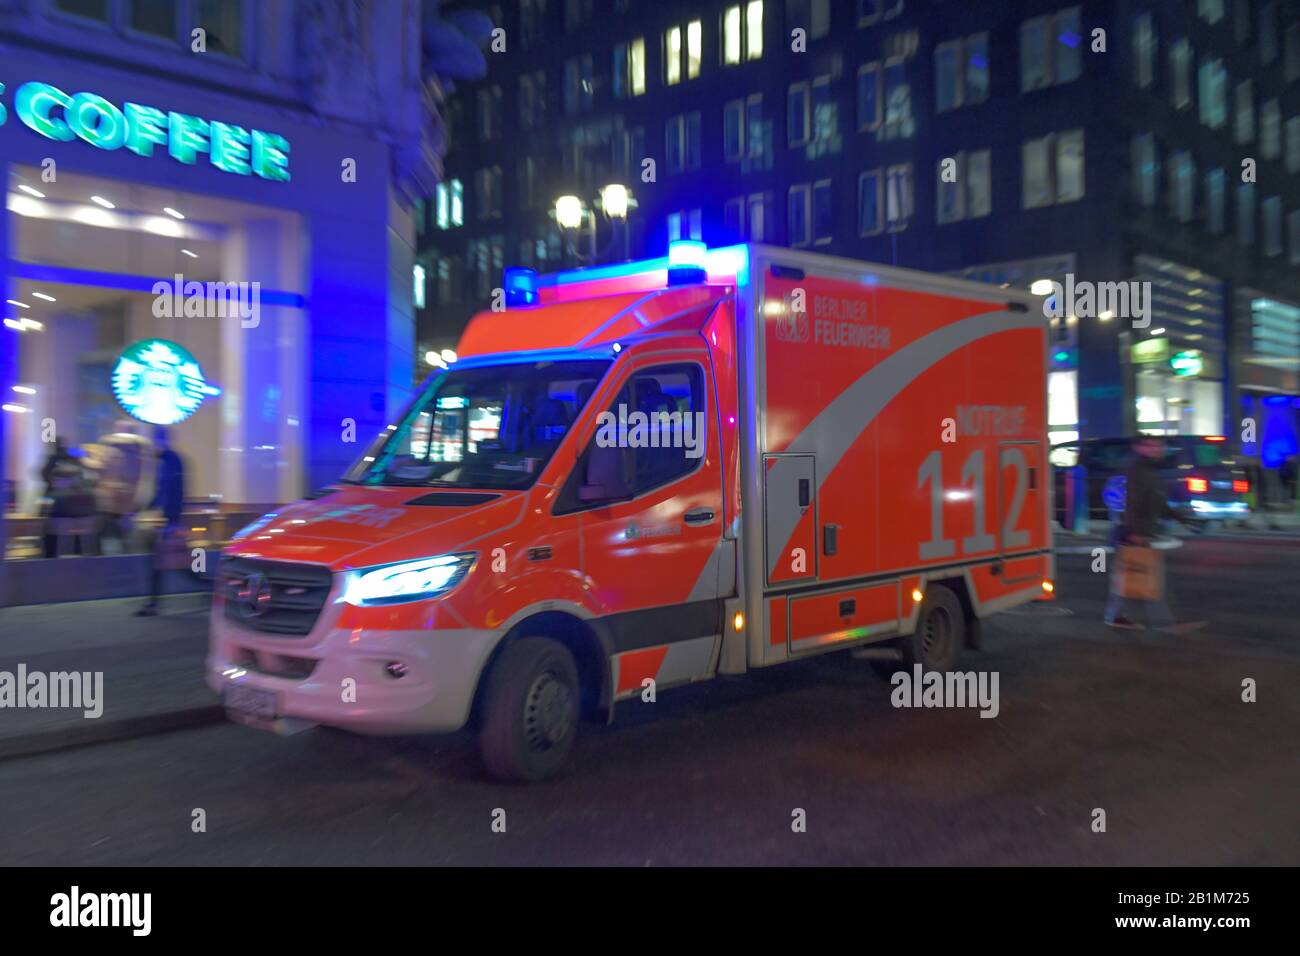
(1257, 525)
(152, 670)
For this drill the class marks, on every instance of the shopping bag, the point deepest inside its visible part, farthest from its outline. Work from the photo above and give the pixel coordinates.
(171, 550)
(1138, 573)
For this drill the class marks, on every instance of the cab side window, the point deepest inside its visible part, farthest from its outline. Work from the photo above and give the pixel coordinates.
(652, 434)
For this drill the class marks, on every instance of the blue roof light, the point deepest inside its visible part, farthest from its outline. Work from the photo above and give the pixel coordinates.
(521, 286)
(686, 262)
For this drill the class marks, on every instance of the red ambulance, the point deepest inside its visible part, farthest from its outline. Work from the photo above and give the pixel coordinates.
(645, 475)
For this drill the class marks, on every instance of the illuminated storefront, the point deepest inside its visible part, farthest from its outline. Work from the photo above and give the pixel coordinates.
(191, 250)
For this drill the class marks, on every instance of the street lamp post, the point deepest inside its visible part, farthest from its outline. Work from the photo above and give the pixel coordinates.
(576, 218)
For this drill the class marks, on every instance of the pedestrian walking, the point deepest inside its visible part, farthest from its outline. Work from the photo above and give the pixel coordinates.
(169, 551)
(1138, 578)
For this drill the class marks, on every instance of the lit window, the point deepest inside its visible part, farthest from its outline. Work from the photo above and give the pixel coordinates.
(731, 46)
(457, 203)
(417, 290)
(673, 56)
(442, 213)
(754, 29)
(636, 66)
(694, 48)
(1212, 93)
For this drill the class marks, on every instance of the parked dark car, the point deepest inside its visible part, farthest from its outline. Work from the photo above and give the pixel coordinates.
(1203, 480)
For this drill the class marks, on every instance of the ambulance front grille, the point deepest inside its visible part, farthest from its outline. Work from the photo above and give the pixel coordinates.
(273, 597)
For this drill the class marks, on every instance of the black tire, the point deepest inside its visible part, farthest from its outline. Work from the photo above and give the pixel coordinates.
(940, 632)
(530, 710)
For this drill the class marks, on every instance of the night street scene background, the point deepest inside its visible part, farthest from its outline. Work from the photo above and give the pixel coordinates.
(619, 433)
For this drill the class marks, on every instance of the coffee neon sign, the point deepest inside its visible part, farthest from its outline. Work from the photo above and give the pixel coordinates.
(56, 115)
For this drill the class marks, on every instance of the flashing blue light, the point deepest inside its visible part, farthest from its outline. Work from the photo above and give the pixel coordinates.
(723, 261)
(687, 253)
(521, 286)
(686, 262)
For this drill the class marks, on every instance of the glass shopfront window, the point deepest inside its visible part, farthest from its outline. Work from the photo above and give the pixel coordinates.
(130, 306)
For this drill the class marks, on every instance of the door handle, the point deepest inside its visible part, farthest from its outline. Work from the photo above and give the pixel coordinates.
(699, 516)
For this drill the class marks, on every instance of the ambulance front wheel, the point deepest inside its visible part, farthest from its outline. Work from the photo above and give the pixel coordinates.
(531, 710)
(939, 636)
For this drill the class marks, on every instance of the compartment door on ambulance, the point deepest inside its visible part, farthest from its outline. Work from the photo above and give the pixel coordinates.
(1019, 496)
(648, 490)
(790, 518)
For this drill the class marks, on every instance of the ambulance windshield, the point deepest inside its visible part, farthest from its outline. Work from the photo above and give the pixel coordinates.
(488, 427)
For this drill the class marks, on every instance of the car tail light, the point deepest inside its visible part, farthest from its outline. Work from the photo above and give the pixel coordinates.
(1241, 486)
(1198, 486)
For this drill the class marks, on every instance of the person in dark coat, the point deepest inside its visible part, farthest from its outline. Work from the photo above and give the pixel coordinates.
(1145, 506)
(71, 499)
(169, 498)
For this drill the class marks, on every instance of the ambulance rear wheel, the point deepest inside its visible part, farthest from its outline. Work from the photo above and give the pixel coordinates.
(939, 637)
(940, 632)
(531, 710)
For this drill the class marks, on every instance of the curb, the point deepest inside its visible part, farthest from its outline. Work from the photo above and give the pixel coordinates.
(95, 732)
(1160, 544)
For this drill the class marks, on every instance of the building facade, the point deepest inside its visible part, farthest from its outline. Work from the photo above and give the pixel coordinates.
(1013, 142)
(266, 157)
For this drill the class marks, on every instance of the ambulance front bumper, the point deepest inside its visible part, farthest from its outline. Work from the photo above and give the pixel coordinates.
(366, 681)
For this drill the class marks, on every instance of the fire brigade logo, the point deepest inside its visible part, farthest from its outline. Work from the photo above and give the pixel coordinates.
(791, 326)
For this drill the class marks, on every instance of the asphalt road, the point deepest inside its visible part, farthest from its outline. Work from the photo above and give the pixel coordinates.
(1148, 727)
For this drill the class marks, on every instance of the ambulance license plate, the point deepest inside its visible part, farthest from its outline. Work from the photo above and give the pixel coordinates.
(244, 701)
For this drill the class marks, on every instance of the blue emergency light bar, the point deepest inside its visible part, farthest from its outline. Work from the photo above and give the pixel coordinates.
(521, 286)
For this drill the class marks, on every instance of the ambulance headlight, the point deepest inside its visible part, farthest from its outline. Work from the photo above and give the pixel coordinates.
(407, 581)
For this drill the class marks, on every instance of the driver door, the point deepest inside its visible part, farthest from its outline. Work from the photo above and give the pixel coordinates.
(650, 501)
